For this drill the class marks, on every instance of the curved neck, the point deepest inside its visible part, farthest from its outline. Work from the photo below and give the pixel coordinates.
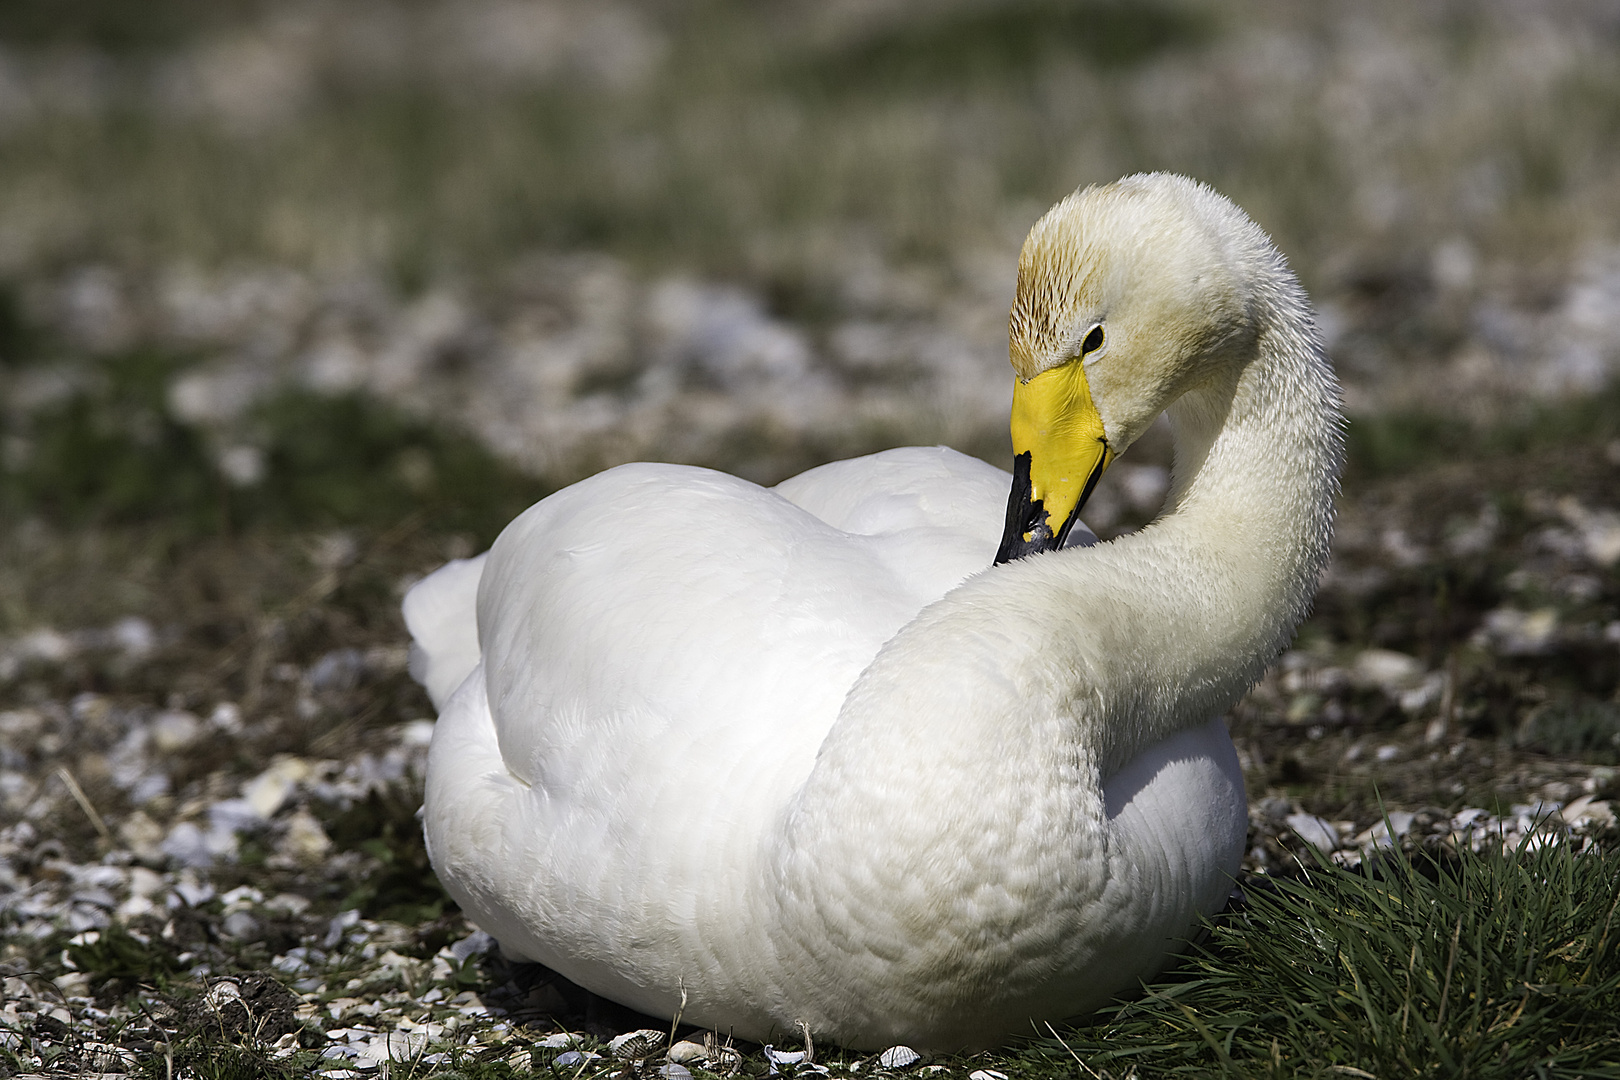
(1094, 654)
(1222, 579)
(1161, 629)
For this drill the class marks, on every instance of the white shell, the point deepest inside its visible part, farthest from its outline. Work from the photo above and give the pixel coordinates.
(783, 1057)
(561, 1040)
(222, 993)
(636, 1044)
(899, 1057)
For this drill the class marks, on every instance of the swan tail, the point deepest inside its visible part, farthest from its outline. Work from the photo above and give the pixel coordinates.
(441, 612)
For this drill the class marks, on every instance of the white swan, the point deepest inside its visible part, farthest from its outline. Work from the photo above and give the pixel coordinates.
(801, 755)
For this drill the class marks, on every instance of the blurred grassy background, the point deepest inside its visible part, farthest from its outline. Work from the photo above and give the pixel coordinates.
(757, 140)
(308, 264)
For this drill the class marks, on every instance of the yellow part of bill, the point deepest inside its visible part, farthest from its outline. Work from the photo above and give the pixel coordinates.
(1055, 421)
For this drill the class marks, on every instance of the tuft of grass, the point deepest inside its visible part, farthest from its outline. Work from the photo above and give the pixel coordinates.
(212, 1059)
(348, 459)
(1001, 41)
(1495, 964)
(110, 453)
(108, 450)
(114, 26)
(118, 961)
(384, 825)
(1575, 728)
(1396, 442)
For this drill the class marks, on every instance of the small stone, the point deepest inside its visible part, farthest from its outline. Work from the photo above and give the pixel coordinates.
(338, 670)
(289, 903)
(1388, 670)
(339, 927)
(574, 1057)
(269, 791)
(133, 636)
(174, 730)
(1589, 811)
(1397, 824)
(226, 717)
(395, 1046)
(187, 846)
(338, 1007)
(1512, 632)
(142, 836)
(222, 993)
(475, 944)
(1315, 831)
(561, 1040)
(305, 842)
(1275, 809)
(686, 1051)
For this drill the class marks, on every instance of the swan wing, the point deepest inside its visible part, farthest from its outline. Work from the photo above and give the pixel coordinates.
(659, 617)
(664, 649)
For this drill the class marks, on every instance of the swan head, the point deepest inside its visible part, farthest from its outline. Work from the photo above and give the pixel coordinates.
(1129, 294)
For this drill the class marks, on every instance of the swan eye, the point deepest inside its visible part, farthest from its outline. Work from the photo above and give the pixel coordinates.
(1093, 340)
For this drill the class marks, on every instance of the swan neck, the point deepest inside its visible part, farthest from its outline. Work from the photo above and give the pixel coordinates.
(1258, 453)
(1132, 641)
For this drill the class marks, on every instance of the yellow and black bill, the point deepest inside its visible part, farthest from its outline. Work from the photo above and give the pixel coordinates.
(1060, 451)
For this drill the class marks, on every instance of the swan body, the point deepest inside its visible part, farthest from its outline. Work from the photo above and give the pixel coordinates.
(802, 756)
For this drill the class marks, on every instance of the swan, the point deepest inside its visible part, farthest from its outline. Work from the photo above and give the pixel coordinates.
(882, 751)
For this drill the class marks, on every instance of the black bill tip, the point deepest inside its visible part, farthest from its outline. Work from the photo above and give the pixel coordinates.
(1029, 528)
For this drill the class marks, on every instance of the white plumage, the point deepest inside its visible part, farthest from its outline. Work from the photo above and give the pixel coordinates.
(802, 756)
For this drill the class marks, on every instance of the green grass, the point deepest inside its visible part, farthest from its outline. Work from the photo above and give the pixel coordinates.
(1572, 727)
(966, 48)
(384, 825)
(763, 138)
(1390, 443)
(119, 958)
(112, 25)
(211, 1059)
(1504, 964)
(110, 453)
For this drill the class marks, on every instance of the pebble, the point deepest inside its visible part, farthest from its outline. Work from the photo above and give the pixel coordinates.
(685, 1052)
(1315, 831)
(570, 1058)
